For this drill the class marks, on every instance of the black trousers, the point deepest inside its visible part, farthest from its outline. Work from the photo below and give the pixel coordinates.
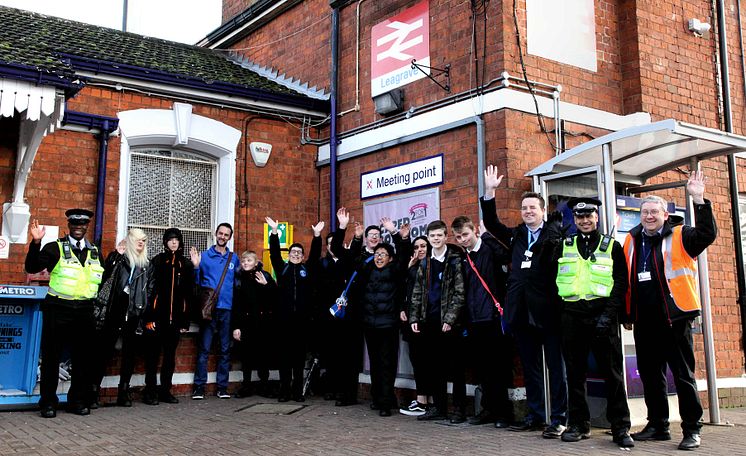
(73, 328)
(165, 339)
(344, 359)
(492, 359)
(105, 343)
(383, 353)
(292, 358)
(442, 358)
(578, 340)
(255, 355)
(658, 345)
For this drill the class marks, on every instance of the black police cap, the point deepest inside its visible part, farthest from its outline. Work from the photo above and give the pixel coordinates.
(78, 216)
(583, 205)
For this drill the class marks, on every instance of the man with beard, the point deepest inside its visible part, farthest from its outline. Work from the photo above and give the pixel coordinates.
(209, 268)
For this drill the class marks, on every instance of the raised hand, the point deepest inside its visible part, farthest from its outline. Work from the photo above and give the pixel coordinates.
(413, 260)
(272, 224)
(491, 181)
(37, 232)
(343, 217)
(195, 256)
(260, 279)
(696, 187)
(388, 225)
(318, 228)
(122, 246)
(404, 231)
(359, 230)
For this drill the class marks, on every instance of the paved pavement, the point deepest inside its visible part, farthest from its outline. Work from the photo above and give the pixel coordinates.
(264, 427)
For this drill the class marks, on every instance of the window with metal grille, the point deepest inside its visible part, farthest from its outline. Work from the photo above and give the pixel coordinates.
(170, 188)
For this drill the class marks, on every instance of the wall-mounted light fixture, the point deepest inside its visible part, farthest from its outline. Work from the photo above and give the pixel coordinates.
(698, 28)
(389, 102)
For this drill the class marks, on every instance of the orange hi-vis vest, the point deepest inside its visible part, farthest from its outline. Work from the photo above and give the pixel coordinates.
(680, 270)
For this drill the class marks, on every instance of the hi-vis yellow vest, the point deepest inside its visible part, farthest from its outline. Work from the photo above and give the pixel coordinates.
(72, 280)
(578, 278)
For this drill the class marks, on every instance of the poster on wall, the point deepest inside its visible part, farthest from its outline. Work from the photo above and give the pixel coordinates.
(395, 42)
(416, 208)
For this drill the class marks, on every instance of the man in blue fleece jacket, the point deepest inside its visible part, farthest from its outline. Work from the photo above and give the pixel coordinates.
(208, 269)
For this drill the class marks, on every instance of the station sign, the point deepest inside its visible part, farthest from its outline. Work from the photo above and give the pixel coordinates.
(408, 176)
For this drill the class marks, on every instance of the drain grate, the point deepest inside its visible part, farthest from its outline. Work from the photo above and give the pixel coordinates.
(272, 409)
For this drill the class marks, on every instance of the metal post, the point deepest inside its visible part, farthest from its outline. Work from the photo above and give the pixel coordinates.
(609, 196)
(707, 334)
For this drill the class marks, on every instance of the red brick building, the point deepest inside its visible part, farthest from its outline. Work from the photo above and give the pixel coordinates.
(609, 65)
(596, 66)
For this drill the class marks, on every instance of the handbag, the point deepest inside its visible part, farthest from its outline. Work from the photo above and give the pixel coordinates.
(103, 298)
(209, 296)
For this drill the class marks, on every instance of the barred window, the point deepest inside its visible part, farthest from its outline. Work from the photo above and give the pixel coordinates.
(169, 188)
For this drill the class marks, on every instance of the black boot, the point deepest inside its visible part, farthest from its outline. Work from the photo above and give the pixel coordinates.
(149, 396)
(124, 397)
(93, 402)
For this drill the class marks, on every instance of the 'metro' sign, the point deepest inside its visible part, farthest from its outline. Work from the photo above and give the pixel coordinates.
(395, 42)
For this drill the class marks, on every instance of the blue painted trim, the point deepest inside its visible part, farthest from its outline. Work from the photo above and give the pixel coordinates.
(91, 121)
(69, 82)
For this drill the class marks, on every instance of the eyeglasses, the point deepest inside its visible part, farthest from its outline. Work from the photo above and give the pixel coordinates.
(381, 255)
(374, 235)
(296, 252)
(652, 212)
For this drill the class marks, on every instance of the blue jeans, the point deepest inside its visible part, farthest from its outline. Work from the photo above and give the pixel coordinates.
(221, 322)
(530, 341)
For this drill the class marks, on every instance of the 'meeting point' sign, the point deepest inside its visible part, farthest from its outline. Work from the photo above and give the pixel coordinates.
(416, 174)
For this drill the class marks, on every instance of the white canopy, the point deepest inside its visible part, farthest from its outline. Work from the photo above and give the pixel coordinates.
(641, 152)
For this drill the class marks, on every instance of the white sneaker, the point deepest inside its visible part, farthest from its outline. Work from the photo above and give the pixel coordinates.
(414, 409)
(223, 394)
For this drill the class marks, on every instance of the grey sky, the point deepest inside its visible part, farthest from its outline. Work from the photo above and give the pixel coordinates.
(185, 21)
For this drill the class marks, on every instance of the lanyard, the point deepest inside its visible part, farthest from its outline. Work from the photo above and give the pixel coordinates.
(646, 253)
(531, 239)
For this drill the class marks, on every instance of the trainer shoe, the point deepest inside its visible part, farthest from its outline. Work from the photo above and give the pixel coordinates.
(414, 409)
(198, 393)
(223, 394)
(433, 414)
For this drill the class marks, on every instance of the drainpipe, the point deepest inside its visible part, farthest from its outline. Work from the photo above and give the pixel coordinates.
(103, 152)
(735, 213)
(479, 121)
(333, 125)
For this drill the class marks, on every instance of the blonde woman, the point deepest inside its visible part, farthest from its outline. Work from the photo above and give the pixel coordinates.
(133, 282)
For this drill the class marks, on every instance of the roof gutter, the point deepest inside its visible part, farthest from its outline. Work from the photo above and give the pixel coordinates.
(245, 22)
(96, 67)
(68, 82)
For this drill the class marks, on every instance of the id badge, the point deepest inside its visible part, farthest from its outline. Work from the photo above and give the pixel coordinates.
(526, 264)
(126, 289)
(643, 276)
(528, 253)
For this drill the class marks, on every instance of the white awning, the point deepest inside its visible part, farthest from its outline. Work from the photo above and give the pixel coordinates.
(647, 150)
(20, 96)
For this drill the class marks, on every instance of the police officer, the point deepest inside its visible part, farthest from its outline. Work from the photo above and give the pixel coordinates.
(75, 273)
(592, 282)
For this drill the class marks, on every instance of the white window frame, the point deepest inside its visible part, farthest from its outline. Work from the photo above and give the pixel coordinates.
(180, 129)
